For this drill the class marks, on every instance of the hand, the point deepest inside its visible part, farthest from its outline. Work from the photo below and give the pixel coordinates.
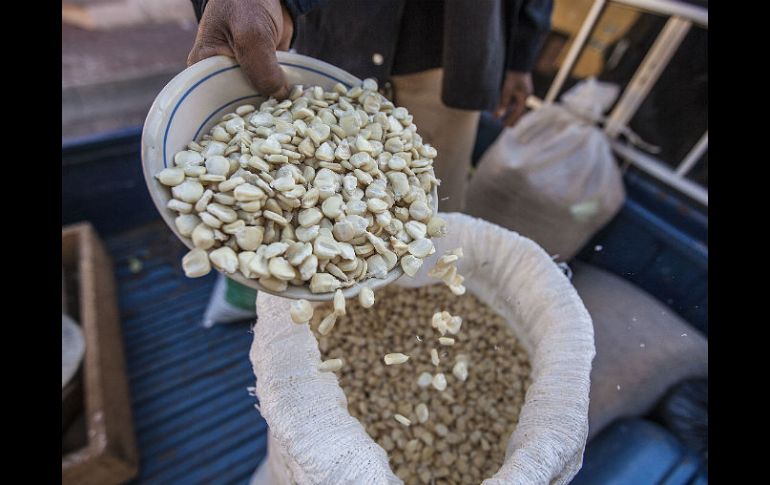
(513, 100)
(250, 31)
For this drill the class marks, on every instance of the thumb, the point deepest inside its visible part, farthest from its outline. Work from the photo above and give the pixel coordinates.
(260, 65)
(202, 51)
(504, 103)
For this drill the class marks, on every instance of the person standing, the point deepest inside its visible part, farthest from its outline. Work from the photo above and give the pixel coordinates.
(445, 61)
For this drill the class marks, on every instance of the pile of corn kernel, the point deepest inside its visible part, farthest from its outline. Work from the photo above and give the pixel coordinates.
(442, 410)
(324, 189)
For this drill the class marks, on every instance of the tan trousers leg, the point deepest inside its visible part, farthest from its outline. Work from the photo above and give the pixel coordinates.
(452, 132)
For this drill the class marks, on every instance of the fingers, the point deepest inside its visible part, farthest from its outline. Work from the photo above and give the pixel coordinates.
(250, 32)
(517, 86)
(504, 104)
(260, 64)
(517, 108)
(284, 44)
(287, 31)
(202, 51)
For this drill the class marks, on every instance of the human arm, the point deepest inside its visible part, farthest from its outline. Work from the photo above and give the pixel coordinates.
(249, 31)
(530, 22)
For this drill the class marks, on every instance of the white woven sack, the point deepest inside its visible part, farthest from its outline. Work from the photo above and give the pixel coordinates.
(315, 441)
(552, 177)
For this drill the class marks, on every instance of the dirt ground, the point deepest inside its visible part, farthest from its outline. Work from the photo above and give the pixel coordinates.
(110, 78)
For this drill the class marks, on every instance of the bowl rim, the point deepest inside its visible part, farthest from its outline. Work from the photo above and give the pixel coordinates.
(159, 121)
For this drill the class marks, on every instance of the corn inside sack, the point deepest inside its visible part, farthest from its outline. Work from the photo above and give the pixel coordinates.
(314, 440)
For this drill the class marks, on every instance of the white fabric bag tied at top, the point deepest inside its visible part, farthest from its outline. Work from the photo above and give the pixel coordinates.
(313, 439)
(552, 177)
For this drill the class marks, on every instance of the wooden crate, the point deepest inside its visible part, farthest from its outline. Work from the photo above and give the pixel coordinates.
(110, 456)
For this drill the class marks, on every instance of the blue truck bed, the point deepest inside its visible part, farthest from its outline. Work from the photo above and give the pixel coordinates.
(194, 418)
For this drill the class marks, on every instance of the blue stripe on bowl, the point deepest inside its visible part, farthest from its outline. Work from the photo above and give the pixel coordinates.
(317, 72)
(191, 88)
(220, 109)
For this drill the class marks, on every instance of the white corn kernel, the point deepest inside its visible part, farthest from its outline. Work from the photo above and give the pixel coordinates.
(210, 220)
(439, 322)
(366, 297)
(179, 206)
(247, 193)
(187, 157)
(171, 176)
(402, 419)
(203, 237)
(395, 358)
(217, 165)
(222, 212)
(234, 227)
(439, 381)
(224, 259)
(231, 184)
(437, 227)
(249, 238)
(203, 202)
(454, 325)
(281, 269)
(421, 248)
(422, 413)
(410, 264)
(186, 223)
(196, 263)
(244, 258)
(273, 284)
(460, 370)
(297, 252)
(327, 324)
(331, 365)
(339, 303)
(411, 445)
(275, 249)
(424, 379)
(324, 283)
(301, 311)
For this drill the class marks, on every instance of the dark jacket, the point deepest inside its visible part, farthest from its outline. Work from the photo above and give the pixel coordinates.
(475, 41)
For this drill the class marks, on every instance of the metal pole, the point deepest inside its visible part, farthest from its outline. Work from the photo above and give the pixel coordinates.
(692, 158)
(661, 172)
(647, 74)
(574, 50)
(699, 15)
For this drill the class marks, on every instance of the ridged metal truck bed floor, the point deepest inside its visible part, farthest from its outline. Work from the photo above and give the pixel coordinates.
(194, 418)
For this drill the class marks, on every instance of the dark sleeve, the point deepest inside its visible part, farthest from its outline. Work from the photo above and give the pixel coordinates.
(295, 8)
(530, 23)
(298, 8)
(198, 6)
(301, 7)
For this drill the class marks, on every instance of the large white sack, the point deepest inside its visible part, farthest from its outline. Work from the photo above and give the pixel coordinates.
(313, 439)
(552, 177)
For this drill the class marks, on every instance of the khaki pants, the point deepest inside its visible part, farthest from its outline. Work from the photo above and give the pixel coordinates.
(451, 131)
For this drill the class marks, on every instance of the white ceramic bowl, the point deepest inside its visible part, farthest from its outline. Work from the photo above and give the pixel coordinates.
(194, 101)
